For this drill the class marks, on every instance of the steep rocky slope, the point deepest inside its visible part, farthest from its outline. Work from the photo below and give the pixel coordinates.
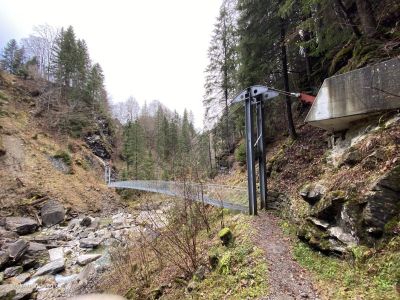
(50, 184)
(37, 164)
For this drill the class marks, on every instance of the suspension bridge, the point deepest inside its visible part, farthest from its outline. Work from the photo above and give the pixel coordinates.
(230, 197)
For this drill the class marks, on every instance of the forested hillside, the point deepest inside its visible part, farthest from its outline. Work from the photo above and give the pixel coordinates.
(292, 46)
(159, 143)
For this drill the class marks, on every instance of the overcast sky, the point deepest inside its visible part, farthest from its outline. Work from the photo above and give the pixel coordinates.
(149, 49)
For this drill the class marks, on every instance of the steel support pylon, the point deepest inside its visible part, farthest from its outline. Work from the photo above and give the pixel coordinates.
(261, 152)
(251, 174)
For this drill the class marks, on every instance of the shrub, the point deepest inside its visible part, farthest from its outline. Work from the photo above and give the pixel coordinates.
(64, 156)
(240, 153)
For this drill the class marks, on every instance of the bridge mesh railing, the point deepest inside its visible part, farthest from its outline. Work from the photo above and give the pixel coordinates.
(230, 197)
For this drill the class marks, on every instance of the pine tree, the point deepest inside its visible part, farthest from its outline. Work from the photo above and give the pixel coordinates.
(65, 57)
(221, 73)
(133, 149)
(13, 57)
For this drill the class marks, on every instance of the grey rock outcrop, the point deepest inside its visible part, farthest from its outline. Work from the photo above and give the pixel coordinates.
(21, 225)
(312, 193)
(52, 213)
(337, 221)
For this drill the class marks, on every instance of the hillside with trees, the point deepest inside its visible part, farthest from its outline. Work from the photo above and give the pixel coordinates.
(331, 227)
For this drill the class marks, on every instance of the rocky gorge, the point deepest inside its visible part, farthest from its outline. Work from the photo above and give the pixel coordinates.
(58, 254)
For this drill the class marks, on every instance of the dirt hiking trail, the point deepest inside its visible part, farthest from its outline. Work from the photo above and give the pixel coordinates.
(287, 279)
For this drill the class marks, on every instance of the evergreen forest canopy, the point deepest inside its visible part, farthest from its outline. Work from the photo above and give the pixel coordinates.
(157, 143)
(292, 45)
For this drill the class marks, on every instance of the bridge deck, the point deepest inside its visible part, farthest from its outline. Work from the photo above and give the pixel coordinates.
(234, 198)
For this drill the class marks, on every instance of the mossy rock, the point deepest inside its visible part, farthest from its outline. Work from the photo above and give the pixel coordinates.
(226, 236)
(330, 206)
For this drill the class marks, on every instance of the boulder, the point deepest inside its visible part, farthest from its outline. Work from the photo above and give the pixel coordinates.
(1, 278)
(12, 271)
(226, 236)
(391, 180)
(381, 207)
(52, 213)
(89, 242)
(52, 267)
(21, 225)
(36, 248)
(86, 221)
(28, 263)
(4, 258)
(16, 291)
(328, 209)
(8, 235)
(312, 192)
(56, 253)
(22, 278)
(87, 258)
(17, 249)
(351, 158)
(345, 238)
(320, 223)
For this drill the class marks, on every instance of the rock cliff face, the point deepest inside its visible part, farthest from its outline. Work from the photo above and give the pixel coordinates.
(338, 221)
(362, 208)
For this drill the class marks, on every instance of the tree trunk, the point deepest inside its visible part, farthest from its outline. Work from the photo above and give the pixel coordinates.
(348, 18)
(292, 130)
(224, 44)
(368, 22)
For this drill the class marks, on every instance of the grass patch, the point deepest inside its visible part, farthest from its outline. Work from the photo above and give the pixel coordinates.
(369, 274)
(241, 272)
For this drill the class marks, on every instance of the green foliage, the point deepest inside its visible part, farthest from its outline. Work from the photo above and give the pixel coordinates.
(75, 124)
(240, 153)
(13, 57)
(133, 149)
(241, 270)
(373, 275)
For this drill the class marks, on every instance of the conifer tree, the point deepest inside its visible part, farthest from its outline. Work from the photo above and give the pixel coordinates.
(13, 57)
